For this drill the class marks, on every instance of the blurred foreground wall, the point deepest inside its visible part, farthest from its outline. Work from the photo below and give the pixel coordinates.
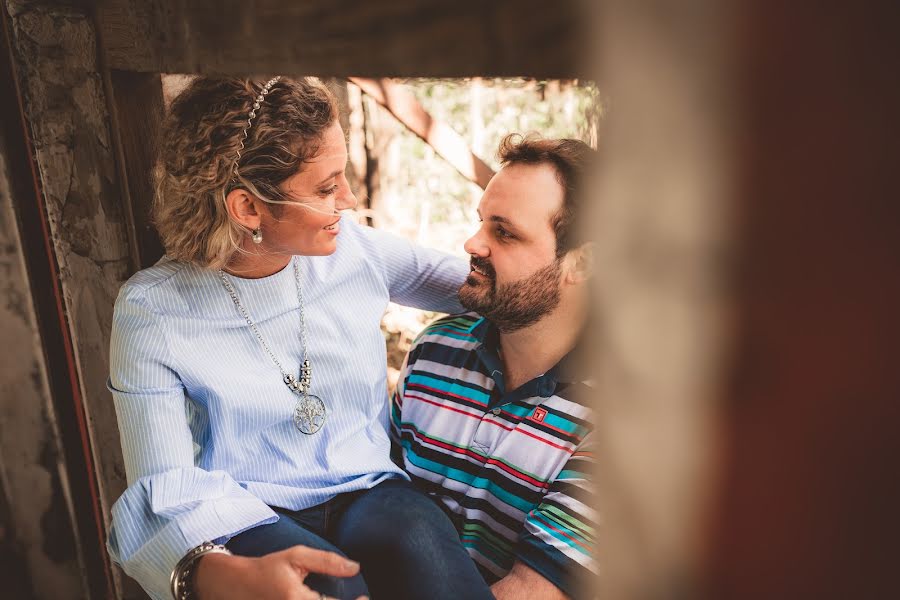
(748, 279)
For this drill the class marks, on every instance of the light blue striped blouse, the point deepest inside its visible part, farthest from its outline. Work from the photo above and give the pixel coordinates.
(205, 420)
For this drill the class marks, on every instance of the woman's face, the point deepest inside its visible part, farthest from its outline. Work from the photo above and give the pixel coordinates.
(311, 226)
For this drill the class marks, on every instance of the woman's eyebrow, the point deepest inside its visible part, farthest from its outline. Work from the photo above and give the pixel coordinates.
(332, 176)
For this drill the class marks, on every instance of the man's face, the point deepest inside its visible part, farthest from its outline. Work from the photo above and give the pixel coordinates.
(515, 276)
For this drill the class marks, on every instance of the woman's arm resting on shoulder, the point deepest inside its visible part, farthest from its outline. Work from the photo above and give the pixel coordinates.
(419, 277)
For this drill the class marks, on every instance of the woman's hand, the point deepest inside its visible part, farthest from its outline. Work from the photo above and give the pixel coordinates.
(275, 576)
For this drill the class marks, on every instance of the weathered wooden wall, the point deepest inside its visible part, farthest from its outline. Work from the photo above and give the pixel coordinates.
(439, 38)
(38, 546)
(75, 199)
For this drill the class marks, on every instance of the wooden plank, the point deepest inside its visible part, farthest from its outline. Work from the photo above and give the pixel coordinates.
(403, 104)
(137, 118)
(441, 38)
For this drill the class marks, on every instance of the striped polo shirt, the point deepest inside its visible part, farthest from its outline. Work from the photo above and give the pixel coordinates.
(510, 467)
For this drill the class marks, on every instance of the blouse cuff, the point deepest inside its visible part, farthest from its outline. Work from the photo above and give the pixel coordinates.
(161, 517)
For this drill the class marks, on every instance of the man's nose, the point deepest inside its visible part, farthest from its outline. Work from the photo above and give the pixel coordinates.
(475, 245)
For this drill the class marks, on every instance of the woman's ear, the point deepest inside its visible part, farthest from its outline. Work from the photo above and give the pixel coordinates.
(579, 263)
(243, 208)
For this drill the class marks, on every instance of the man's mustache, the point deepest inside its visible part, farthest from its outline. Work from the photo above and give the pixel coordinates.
(483, 265)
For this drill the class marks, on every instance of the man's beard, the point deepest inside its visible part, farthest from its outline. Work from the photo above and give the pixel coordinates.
(515, 305)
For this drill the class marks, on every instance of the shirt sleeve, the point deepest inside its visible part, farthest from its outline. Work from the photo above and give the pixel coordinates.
(558, 537)
(170, 506)
(416, 276)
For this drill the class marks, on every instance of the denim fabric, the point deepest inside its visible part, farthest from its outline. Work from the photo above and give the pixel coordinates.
(406, 546)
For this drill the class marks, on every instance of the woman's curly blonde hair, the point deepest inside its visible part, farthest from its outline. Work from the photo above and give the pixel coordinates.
(202, 136)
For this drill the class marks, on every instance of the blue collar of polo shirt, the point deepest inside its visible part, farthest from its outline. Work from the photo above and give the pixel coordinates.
(488, 351)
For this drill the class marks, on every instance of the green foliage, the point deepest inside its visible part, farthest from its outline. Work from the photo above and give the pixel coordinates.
(426, 199)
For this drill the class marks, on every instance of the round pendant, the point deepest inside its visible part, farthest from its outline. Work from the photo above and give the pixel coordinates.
(309, 414)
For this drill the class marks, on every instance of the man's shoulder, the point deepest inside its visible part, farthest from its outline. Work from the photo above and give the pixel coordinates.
(455, 326)
(451, 331)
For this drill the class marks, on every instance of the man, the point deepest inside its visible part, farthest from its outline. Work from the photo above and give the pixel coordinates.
(489, 415)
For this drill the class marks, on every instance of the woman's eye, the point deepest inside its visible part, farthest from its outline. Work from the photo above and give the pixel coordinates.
(329, 191)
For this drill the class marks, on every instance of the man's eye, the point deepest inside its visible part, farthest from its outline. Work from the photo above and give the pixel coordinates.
(503, 233)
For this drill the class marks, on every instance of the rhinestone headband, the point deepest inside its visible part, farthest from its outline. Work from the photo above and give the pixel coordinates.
(256, 104)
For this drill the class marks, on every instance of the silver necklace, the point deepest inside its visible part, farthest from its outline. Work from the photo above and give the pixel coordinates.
(309, 411)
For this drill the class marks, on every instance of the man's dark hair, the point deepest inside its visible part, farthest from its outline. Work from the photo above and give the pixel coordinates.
(571, 159)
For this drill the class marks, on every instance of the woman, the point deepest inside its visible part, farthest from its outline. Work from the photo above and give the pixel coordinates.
(248, 369)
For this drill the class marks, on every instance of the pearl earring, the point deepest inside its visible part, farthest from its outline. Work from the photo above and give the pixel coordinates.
(257, 236)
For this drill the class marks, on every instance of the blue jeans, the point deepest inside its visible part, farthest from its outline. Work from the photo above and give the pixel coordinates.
(406, 546)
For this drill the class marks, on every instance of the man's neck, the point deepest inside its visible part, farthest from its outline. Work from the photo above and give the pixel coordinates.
(532, 351)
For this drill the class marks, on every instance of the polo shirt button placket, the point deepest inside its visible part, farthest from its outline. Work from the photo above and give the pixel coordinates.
(496, 411)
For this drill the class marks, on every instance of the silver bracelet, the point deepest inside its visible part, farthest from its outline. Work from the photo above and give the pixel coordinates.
(180, 580)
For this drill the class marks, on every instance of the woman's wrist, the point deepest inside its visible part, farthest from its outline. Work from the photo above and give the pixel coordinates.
(211, 571)
(184, 575)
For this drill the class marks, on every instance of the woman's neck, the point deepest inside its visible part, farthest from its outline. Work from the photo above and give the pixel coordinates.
(256, 266)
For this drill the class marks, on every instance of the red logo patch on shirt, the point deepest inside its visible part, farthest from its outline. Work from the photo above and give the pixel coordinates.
(539, 414)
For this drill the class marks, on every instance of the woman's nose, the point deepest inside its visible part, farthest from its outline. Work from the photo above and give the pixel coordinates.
(346, 200)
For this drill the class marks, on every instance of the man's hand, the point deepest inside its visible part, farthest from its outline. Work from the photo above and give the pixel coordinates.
(275, 576)
(523, 582)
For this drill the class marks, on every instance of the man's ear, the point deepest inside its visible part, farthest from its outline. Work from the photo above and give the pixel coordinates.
(243, 208)
(579, 263)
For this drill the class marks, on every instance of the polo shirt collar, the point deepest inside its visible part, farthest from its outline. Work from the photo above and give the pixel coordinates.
(488, 350)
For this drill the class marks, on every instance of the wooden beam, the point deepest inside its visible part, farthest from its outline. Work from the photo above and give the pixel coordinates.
(137, 115)
(441, 38)
(403, 104)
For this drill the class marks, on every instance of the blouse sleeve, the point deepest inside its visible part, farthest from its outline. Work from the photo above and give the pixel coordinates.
(416, 276)
(170, 505)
